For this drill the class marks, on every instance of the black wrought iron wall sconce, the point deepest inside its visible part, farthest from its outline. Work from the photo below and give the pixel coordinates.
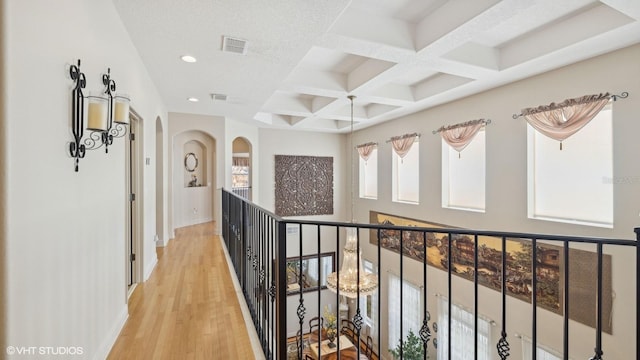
(107, 115)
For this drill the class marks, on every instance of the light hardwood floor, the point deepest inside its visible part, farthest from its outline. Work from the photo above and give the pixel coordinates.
(188, 308)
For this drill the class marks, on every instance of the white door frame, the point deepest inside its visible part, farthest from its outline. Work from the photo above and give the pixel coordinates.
(134, 202)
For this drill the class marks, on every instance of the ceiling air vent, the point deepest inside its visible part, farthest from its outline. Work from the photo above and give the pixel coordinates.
(234, 45)
(221, 97)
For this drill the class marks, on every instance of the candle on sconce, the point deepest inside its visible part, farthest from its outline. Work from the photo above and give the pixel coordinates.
(97, 113)
(121, 112)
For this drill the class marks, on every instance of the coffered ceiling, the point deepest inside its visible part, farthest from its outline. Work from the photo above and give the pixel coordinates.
(304, 57)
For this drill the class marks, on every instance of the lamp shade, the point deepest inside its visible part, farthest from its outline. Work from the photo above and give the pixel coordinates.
(97, 113)
(121, 109)
(347, 282)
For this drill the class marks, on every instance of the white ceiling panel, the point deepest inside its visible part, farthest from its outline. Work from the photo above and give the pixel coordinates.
(398, 57)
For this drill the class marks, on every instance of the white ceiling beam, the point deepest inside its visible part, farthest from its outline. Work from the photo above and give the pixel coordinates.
(476, 55)
(281, 120)
(296, 120)
(392, 94)
(375, 28)
(437, 84)
(264, 117)
(341, 124)
(628, 7)
(325, 124)
(574, 29)
(294, 105)
(364, 73)
(449, 19)
(320, 102)
(341, 110)
(374, 110)
(365, 48)
(328, 82)
(457, 68)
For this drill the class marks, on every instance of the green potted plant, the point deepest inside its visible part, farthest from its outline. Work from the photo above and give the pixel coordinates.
(412, 348)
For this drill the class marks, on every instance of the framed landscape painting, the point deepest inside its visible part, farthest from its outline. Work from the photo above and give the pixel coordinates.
(549, 264)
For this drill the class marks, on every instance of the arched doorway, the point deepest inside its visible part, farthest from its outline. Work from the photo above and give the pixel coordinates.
(193, 178)
(241, 168)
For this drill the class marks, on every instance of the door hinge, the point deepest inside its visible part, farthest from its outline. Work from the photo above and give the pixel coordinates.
(132, 197)
(132, 137)
(132, 257)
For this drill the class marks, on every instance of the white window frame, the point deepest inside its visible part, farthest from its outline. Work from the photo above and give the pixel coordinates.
(368, 178)
(241, 171)
(476, 174)
(411, 304)
(543, 352)
(604, 178)
(369, 267)
(397, 165)
(462, 323)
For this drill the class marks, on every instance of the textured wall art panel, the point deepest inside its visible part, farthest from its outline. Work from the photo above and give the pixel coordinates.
(304, 185)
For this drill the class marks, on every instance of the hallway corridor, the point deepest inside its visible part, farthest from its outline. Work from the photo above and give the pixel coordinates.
(188, 308)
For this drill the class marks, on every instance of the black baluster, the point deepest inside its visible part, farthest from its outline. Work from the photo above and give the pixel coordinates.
(598, 350)
(449, 249)
(503, 344)
(475, 296)
(534, 300)
(425, 332)
(281, 290)
(565, 341)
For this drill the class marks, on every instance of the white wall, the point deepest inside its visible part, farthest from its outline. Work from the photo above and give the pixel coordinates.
(3, 203)
(161, 162)
(213, 126)
(506, 192)
(278, 142)
(66, 231)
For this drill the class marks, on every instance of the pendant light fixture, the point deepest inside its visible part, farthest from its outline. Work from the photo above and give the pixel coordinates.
(352, 280)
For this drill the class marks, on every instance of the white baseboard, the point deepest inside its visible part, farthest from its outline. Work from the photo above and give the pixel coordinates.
(149, 268)
(197, 221)
(162, 243)
(111, 338)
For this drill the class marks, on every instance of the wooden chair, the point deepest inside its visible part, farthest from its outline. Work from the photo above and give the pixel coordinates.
(347, 323)
(346, 354)
(348, 329)
(304, 345)
(316, 324)
(368, 350)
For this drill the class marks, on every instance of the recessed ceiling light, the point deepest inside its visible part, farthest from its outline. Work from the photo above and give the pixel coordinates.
(188, 58)
(193, 99)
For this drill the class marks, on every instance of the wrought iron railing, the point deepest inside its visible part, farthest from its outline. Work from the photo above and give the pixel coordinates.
(257, 243)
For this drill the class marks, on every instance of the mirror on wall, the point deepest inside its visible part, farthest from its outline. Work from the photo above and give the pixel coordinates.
(190, 162)
(313, 276)
(194, 157)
